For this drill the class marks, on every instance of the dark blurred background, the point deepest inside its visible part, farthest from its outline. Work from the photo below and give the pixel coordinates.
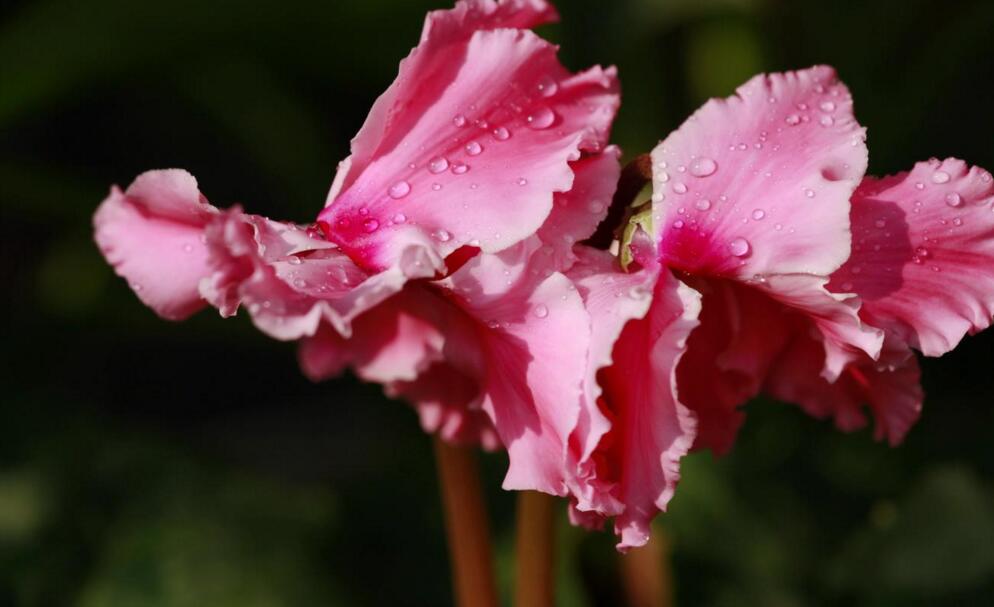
(151, 464)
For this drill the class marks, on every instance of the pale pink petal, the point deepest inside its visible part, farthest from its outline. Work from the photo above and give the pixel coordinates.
(291, 280)
(471, 142)
(524, 323)
(612, 298)
(577, 213)
(923, 255)
(651, 429)
(152, 235)
(759, 183)
(889, 387)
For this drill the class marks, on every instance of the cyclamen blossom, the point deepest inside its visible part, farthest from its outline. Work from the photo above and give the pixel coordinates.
(436, 267)
(780, 267)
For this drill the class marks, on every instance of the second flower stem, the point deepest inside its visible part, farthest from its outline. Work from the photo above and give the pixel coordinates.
(535, 577)
(466, 526)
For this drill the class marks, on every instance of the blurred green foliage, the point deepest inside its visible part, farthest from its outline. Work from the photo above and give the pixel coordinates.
(150, 464)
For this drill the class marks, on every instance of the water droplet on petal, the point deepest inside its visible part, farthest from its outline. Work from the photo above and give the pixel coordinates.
(438, 164)
(459, 168)
(953, 199)
(758, 214)
(739, 247)
(294, 260)
(459, 120)
(826, 121)
(827, 106)
(399, 218)
(809, 192)
(703, 167)
(546, 86)
(703, 204)
(522, 181)
(680, 188)
(400, 189)
(436, 186)
(370, 225)
(880, 223)
(940, 177)
(443, 236)
(188, 248)
(473, 148)
(541, 118)
(501, 134)
(920, 185)
(595, 206)
(957, 222)
(678, 224)
(541, 311)
(793, 120)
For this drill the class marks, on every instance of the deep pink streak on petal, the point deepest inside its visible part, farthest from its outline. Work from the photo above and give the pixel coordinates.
(759, 183)
(151, 235)
(652, 429)
(889, 387)
(923, 255)
(468, 147)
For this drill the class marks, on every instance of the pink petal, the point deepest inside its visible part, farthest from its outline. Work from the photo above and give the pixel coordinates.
(890, 388)
(577, 213)
(741, 333)
(291, 280)
(151, 234)
(489, 182)
(651, 428)
(612, 298)
(923, 260)
(524, 321)
(759, 183)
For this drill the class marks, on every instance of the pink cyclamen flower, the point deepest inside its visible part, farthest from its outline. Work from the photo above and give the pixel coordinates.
(778, 266)
(436, 267)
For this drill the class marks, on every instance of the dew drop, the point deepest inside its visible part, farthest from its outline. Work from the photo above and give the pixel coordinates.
(595, 206)
(940, 177)
(436, 186)
(826, 121)
(400, 189)
(541, 311)
(758, 214)
(678, 224)
(370, 225)
(920, 185)
(827, 106)
(957, 222)
(399, 218)
(703, 167)
(501, 134)
(438, 164)
(793, 120)
(953, 199)
(522, 181)
(703, 204)
(680, 188)
(880, 223)
(547, 87)
(294, 260)
(739, 247)
(778, 227)
(300, 283)
(188, 248)
(443, 236)
(809, 192)
(541, 118)
(473, 148)
(459, 168)
(459, 120)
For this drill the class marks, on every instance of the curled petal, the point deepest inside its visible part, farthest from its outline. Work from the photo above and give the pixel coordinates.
(470, 143)
(923, 256)
(612, 299)
(152, 235)
(522, 322)
(759, 183)
(291, 280)
(890, 387)
(651, 429)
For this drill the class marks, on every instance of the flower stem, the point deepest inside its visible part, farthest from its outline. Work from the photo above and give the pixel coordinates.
(646, 573)
(466, 526)
(535, 558)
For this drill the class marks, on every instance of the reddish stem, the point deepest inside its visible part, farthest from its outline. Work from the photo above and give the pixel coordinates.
(535, 550)
(646, 573)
